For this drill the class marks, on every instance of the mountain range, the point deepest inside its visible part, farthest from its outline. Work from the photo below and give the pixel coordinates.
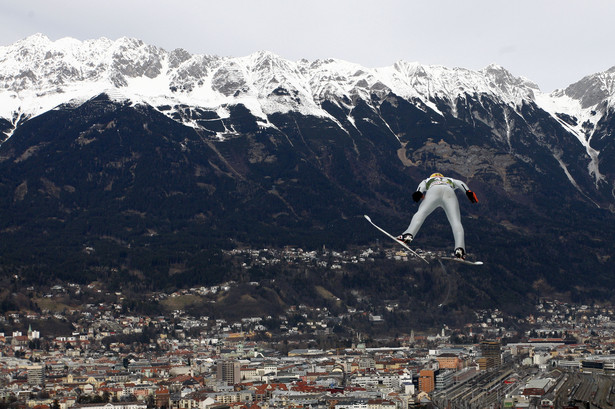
(123, 162)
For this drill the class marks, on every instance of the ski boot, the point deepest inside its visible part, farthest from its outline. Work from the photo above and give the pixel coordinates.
(460, 253)
(405, 238)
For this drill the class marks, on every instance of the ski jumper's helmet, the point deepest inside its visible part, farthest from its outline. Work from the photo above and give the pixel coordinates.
(435, 175)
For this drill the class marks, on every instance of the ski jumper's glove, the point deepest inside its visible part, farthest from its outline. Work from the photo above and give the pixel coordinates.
(472, 196)
(416, 196)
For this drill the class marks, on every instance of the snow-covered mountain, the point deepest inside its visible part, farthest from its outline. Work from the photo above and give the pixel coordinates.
(37, 74)
(39, 68)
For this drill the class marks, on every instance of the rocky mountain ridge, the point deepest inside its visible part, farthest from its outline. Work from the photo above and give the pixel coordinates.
(37, 74)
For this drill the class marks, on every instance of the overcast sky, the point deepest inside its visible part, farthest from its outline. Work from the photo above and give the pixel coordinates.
(551, 42)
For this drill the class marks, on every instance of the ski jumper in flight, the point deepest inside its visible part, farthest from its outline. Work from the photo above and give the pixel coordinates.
(439, 191)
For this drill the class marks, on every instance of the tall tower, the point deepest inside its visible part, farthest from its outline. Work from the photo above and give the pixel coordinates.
(228, 372)
(492, 355)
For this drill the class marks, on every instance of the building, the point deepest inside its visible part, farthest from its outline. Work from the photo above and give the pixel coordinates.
(427, 380)
(444, 379)
(36, 375)
(449, 361)
(491, 355)
(537, 387)
(161, 397)
(110, 405)
(228, 372)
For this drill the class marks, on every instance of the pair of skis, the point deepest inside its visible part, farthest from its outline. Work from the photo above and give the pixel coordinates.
(404, 245)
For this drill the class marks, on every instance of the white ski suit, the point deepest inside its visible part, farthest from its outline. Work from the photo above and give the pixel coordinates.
(440, 192)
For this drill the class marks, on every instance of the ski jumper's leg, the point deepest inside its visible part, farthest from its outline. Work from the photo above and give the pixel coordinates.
(432, 200)
(451, 208)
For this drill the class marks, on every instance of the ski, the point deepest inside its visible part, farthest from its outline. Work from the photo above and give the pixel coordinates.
(460, 260)
(401, 243)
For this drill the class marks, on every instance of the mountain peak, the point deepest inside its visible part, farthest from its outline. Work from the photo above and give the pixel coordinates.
(268, 61)
(593, 89)
(504, 78)
(495, 67)
(37, 38)
(23, 49)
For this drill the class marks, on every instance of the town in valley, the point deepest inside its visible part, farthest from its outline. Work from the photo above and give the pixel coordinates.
(104, 354)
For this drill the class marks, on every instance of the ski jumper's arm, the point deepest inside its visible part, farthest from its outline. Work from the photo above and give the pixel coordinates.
(461, 185)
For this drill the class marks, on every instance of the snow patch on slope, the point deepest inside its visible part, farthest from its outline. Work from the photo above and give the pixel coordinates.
(578, 121)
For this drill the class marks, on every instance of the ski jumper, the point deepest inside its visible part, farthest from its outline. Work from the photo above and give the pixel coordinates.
(440, 192)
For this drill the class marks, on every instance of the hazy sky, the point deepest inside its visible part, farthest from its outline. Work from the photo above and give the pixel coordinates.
(551, 42)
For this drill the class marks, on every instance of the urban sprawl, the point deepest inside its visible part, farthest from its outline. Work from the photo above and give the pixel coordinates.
(110, 358)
